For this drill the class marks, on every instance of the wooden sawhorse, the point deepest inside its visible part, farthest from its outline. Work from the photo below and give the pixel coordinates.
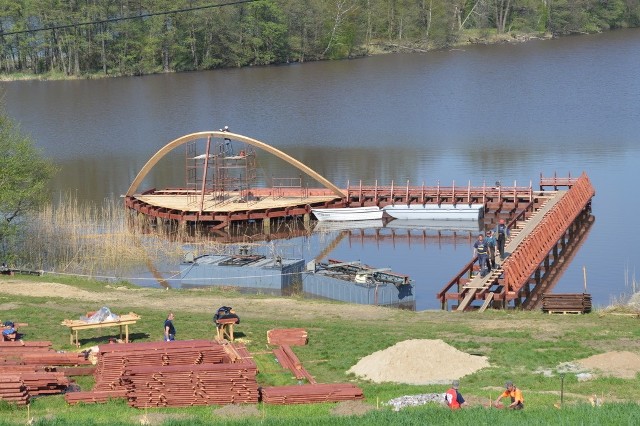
(224, 327)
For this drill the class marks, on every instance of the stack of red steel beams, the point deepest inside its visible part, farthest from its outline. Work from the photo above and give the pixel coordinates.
(287, 336)
(290, 361)
(114, 360)
(308, 394)
(12, 389)
(187, 385)
(94, 396)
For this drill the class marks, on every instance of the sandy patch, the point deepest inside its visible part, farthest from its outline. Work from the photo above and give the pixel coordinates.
(418, 362)
(27, 288)
(625, 365)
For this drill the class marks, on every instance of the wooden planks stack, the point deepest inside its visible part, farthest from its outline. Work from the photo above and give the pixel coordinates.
(114, 360)
(288, 359)
(287, 336)
(13, 390)
(187, 385)
(37, 353)
(44, 382)
(307, 394)
(578, 303)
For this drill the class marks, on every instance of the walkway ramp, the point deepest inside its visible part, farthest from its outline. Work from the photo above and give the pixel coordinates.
(479, 285)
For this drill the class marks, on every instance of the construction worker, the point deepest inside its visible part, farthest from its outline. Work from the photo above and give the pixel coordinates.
(453, 398)
(502, 233)
(481, 249)
(517, 400)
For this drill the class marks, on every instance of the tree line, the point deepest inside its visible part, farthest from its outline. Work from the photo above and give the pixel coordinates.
(134, 37)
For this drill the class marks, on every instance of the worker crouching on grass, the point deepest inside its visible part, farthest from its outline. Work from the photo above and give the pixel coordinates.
(453, 398)
(517, 401)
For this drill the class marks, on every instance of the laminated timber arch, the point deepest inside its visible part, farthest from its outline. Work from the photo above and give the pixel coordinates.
(228, 135)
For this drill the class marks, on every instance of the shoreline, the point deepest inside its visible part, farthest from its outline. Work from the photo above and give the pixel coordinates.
(376, 48)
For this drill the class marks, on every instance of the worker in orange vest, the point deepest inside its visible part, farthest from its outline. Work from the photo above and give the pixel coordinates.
(515, 394)
(453, 398)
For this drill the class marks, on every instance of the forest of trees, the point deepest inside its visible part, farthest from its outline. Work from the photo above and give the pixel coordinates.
(133, 37)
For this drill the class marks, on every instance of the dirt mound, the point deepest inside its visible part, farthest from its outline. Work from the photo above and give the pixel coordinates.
(418, 362)
(617, 364)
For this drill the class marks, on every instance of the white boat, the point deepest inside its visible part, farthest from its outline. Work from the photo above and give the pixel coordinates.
(436, 225)
(458, 211)
(348, 213)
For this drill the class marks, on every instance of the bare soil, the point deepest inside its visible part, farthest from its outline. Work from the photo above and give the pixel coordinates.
(625, 365)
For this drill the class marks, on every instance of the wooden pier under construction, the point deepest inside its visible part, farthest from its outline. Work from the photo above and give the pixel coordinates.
(220, 190)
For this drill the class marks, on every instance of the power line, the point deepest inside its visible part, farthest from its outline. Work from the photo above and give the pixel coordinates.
(128, 18)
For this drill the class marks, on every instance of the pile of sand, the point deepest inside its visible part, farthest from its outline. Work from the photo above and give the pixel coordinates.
(418, 362)
(617, 364)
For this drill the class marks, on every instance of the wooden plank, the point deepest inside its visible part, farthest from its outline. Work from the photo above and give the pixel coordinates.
(487, 300)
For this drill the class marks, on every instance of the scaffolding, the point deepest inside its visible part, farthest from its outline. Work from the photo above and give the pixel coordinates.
(219, 172)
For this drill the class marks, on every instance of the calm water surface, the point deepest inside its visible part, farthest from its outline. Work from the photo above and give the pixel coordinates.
(479, 114)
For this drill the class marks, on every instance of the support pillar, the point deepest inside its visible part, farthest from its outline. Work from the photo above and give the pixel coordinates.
(266, 225)
(306, 220)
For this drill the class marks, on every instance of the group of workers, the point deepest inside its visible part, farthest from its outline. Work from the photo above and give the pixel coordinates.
(486, 247)
(454, 399)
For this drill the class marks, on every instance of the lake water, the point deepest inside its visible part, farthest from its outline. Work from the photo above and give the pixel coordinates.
(480, 114)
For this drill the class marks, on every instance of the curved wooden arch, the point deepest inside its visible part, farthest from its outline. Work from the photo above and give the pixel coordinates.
(254, 142)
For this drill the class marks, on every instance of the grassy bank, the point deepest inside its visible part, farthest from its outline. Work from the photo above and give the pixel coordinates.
(519, 345)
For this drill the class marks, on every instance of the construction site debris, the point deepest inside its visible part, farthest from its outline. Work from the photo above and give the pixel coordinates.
(415, 400)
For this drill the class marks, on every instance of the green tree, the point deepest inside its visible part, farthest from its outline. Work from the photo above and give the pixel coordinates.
(24, 178)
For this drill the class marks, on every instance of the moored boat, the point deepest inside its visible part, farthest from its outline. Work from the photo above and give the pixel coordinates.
(443, 211)
(348, 213)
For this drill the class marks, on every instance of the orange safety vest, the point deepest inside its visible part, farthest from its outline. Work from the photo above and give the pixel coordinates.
(452, 399)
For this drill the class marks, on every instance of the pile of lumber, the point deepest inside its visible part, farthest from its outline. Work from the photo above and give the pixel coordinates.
(20, 386)
(307, 394)
(290, 361)
(287, 336)
(44, 382)
(13, 390)
(38, 353)
(187, 385)
(576, 303)
(114, 360)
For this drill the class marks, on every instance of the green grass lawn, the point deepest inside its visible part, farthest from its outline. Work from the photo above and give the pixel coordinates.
(517, 344)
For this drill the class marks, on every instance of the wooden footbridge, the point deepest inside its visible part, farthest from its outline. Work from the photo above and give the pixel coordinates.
(220, 192)
(539, 236)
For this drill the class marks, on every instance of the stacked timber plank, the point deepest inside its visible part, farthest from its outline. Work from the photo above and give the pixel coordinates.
(114, 360)
(44, 383)
(287, 336)
(187, 385)
(577, 303)
(307, 394)
(288, 359)
(13, 390)
(37, 353)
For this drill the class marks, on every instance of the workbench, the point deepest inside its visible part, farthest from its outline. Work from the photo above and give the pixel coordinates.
(123, 321)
